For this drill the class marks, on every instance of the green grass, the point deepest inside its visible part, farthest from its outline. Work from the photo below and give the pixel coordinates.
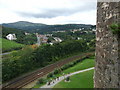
(81, 80)
(8, 45)
(87, 63)
(37, 85)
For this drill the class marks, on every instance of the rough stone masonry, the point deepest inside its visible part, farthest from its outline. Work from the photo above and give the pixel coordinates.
(107, 68)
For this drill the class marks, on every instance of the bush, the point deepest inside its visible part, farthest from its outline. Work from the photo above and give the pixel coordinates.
(64, 67)
(68, 78)
(41, 81)
(50, 75)
(75, 63)
(67, 66)
(56, 71)
(72, 63)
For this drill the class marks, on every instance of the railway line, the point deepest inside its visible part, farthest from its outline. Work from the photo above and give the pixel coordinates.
(19, 83)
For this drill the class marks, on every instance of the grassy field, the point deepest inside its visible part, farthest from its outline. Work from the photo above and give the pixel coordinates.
(81, 80)
(87, 63)
(8, 45)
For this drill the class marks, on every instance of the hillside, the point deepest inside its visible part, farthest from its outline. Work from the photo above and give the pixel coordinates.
(24, 25)
(6, 31)
(43, 28)
(20, 34)
(10, 45)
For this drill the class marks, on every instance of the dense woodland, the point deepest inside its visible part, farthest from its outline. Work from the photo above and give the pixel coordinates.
(30, 58)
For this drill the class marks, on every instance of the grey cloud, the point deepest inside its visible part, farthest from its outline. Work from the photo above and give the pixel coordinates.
(47, 13)
(51, 13)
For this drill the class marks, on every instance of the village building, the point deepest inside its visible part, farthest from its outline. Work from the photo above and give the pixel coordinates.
(11, 37)
(27, 33)
(41, 39)
(57, 39)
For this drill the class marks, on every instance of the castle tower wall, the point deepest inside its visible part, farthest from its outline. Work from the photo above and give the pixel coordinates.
(107, 68)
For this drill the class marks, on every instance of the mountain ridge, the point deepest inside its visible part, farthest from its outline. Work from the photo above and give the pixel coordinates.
(43, 28)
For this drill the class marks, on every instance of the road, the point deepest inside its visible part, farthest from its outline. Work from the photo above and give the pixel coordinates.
(5, 53)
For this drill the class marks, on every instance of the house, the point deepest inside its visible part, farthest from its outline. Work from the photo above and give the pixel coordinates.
(57, 39)
(41, 39)
(27, 33)
(49, 35)
(51, 43)
(78, 38)
(44, 39)
(11, 37)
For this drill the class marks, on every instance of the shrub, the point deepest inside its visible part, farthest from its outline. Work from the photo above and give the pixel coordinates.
(56, 71)
(71, 64)
(41, 81)
(68, 78)
(65, 67)
(75, 63)
(50, 75)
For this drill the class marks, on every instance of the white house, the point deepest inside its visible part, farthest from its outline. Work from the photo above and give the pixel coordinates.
(11, 37)
(57, 39)
(51, 43)
(27, 33)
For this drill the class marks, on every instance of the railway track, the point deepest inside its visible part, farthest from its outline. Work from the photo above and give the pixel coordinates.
(19, 83)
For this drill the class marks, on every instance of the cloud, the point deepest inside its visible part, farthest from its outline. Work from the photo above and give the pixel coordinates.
(58, 11)
(78, 18)
(48, 11)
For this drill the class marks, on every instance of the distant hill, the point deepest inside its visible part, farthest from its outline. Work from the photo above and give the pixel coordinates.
(22, 25)
(43, 28)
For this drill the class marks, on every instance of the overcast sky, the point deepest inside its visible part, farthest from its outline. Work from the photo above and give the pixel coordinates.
(49, 11)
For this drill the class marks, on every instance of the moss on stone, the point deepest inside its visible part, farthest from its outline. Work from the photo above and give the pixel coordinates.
(115, 28)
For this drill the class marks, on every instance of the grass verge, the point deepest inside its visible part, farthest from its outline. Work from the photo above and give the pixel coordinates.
(81, 80)
(87, 63)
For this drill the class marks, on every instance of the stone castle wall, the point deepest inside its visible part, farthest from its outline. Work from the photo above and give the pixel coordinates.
(107, 69)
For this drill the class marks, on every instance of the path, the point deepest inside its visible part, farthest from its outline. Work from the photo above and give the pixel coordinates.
(63, 77)
(5, 53)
